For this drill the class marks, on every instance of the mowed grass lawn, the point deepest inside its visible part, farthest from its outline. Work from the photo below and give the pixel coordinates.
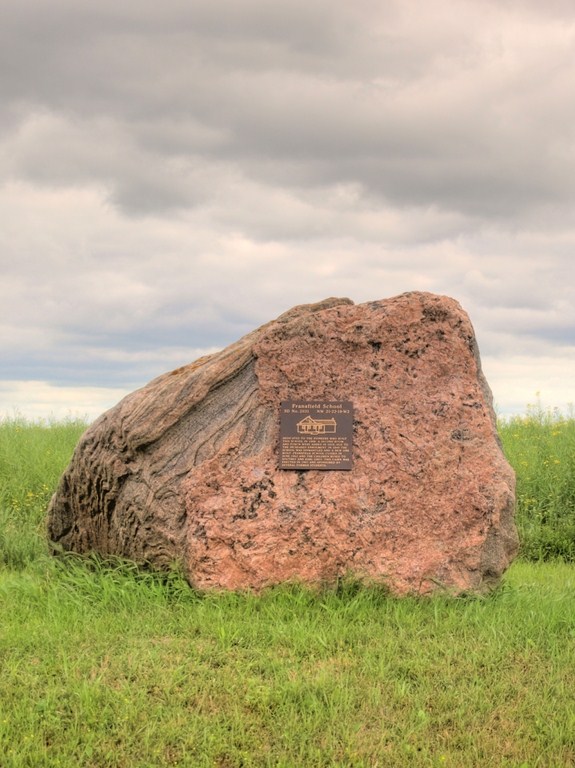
(102, 665)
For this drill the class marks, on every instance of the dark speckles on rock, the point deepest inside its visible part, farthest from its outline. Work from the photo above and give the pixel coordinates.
(462, 434)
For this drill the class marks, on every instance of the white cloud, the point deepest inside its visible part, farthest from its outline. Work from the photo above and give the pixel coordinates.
(519, 382)
(40, 400)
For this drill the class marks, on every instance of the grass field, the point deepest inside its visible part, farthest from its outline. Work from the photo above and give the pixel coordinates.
(105, 666)
(541, 449)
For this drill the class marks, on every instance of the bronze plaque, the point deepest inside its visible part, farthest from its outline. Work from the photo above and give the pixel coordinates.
(316, 435)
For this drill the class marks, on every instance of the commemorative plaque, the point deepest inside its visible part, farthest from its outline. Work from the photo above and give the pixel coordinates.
(316, 435)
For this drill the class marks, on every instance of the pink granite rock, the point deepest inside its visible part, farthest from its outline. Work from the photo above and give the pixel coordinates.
(186, 470)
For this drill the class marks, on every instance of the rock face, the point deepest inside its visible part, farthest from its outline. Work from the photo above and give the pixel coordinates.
(186, 469)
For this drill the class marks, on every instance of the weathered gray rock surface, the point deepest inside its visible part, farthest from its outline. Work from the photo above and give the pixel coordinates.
(186, 469)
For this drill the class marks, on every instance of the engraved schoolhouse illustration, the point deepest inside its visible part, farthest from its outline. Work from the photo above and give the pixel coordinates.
(310, 426)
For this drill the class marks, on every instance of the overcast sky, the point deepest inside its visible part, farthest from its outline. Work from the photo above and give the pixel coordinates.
(174, 174)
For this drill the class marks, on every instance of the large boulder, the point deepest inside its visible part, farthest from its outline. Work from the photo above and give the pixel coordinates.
(186, 469)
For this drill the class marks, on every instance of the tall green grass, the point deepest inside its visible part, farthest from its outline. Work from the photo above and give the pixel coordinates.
(32, 458)
(541, 448)
(105, 666)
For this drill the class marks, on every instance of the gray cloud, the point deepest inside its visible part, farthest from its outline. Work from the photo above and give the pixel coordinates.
(415, 105)
(174, 174)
